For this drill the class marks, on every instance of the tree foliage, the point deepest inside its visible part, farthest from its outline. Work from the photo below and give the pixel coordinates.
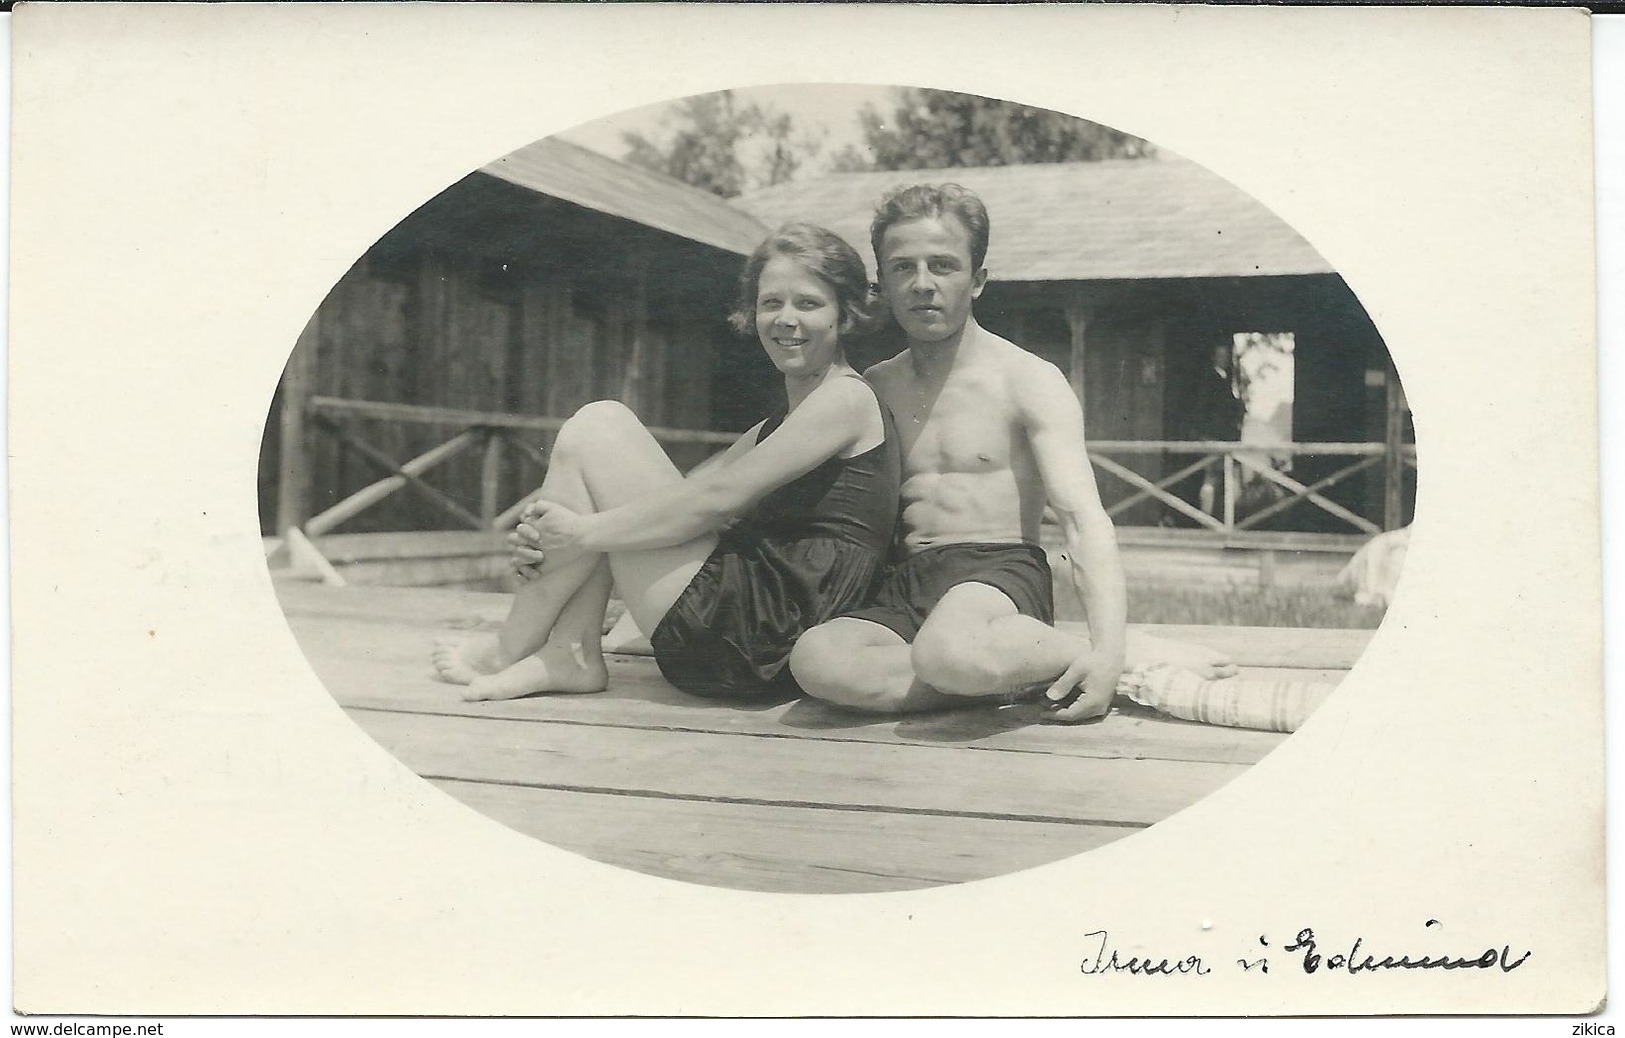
(720, 145)
(938, 129)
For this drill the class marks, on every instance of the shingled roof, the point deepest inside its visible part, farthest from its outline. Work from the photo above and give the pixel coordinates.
(1077, 221)
(563, 170)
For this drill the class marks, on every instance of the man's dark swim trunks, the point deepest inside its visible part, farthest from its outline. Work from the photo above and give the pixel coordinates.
(914, 586)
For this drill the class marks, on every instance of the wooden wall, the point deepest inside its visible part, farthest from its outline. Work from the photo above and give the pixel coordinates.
(541, 323)
(1124, 345)
(1146, 342)
(432, 326)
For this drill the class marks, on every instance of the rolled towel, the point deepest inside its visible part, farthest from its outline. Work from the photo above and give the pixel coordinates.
(1273, 706)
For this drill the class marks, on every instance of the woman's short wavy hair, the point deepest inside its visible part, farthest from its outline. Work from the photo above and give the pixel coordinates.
(825, 255)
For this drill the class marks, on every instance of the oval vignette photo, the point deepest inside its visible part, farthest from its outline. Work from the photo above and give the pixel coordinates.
(830, 489)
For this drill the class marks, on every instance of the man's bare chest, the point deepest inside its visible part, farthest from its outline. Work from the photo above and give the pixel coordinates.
(966, 427)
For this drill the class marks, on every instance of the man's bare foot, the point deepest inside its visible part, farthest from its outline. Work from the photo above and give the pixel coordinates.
(557, 668)
(462, 660)
(1145, 650)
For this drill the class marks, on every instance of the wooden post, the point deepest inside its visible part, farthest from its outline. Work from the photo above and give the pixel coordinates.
(303, 558)
(569, 363)
(528, 373)
(298, 385)
(1229, 492)
(1393, 484)
(1077, 320)
(491, 476)
(633, 375)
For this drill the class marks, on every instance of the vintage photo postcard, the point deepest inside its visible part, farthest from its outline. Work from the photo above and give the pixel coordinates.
(703, 510)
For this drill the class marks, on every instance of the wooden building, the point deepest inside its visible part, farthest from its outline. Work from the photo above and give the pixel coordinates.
(555, 276)
(1126, 274)
(549, 278)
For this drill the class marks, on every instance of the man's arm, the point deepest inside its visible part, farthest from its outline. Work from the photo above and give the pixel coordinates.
(1054, 425)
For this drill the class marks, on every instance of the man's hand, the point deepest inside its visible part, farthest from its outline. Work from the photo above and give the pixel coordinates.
(1084, 692)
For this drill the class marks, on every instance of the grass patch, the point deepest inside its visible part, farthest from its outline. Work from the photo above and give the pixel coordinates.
(1249, 607)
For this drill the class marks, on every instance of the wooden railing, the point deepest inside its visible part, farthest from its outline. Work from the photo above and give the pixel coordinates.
(1238, 458)
(489, 432)
(493, 432)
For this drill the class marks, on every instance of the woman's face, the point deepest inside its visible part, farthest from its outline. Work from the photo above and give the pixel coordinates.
(797, 317)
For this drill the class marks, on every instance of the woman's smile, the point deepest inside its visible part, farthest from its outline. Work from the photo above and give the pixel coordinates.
(797, 317)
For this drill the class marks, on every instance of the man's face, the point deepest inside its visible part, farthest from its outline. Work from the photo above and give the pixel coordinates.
(927, 277)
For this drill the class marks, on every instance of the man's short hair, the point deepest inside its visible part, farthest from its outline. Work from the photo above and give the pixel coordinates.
(921, 201)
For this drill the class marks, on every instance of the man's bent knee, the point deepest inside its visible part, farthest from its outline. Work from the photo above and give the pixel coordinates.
(951, 652)
(955, 666)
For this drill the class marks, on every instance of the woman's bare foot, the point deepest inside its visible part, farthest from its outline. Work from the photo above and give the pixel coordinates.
(462, 660)
(558, 667)
(1145, 650)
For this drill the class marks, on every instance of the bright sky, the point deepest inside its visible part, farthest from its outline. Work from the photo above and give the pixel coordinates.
(831, 109)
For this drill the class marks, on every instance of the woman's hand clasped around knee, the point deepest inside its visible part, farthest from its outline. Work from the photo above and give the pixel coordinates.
(546, 531)
(551, 527)
(526, 561)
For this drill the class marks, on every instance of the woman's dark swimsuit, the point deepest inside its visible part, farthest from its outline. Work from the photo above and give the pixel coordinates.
(808, 552)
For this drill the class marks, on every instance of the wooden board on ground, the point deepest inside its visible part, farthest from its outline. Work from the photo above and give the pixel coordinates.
(915, 779)
(780, 795)
(755, 847)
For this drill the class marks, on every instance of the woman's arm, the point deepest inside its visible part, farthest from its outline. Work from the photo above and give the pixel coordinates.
(833, 419)
(732, 453)
(527, 558)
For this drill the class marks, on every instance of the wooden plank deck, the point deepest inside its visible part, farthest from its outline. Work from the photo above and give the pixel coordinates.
(781, 796)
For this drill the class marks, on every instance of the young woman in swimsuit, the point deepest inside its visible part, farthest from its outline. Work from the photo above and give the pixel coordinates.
(728, 567)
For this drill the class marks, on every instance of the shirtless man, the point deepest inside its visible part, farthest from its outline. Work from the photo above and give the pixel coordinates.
(989, 432)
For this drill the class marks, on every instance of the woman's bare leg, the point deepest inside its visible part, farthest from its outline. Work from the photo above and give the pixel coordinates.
(603, 458)
(572, 660)
(618, 462)
(540, 601)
